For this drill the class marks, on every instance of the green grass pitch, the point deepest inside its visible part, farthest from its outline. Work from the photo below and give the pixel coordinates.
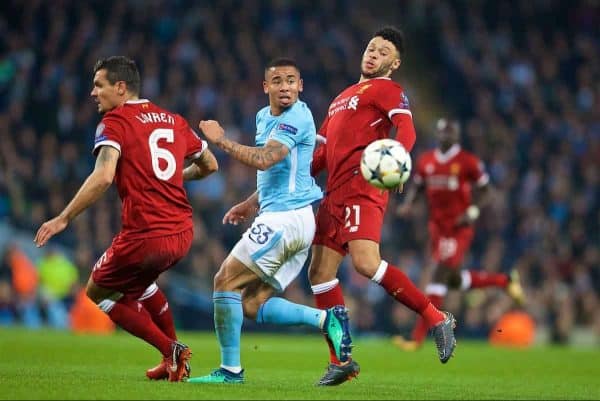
(48, 364)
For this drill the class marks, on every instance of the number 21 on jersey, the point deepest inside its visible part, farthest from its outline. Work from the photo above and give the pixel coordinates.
(352, 218)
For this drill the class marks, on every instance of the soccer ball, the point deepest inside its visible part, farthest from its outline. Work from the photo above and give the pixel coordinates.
(385, 163)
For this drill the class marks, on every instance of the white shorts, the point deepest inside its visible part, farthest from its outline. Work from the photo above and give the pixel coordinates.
(276, 246)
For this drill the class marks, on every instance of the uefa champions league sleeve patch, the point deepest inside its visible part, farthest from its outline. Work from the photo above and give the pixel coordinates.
(404, 103)
(288, 128)
(99, 136)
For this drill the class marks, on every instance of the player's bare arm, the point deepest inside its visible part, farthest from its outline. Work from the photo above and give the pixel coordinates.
(89, 192)
(201, 167)
(258, 157)
(482, 198)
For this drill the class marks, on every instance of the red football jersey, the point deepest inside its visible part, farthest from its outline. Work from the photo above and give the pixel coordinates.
(154, 144)
(448, 178)
(359, 115)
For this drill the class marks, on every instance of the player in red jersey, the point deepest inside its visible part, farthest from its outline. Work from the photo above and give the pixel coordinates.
(447, 175)
(350, 216)
(143, 148)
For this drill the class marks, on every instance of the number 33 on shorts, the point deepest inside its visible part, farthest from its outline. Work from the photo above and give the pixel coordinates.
(260, 233)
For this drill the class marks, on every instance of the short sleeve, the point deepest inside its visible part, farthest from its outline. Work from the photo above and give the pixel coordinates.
(392, 100)
(289, 132)
(194, 145)
(394, 103)
(109, 132)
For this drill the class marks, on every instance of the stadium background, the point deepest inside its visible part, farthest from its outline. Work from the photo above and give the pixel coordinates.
(522, 76)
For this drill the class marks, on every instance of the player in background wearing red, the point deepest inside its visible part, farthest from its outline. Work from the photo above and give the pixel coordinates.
(448, 175)
(350, 216)
(143, 148)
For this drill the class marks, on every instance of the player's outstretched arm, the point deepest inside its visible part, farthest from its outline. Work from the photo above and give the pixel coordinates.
(258, 157)
(201, 167)
(242, 211)
(89, 192)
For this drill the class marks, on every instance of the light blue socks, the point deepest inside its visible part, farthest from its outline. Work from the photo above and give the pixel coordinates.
(229, 316)
(280, 311)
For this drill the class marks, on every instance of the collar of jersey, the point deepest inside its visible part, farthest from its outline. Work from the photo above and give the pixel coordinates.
(449, 154)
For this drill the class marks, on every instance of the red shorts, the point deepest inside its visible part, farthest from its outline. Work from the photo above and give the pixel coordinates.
(449, 246)
(353, 211)
(131, 265)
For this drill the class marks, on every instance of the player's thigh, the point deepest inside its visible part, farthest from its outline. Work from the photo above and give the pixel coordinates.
(129, 265)
(233, 275)
(450, 247)
(119, 268)
(363, 220)
(162, 253)
(365, 256)
(97, 293)
(324, 264)
(329, 220)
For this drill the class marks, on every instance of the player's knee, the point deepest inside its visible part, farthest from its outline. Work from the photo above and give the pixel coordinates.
(365, 264)
(317, 275)
(103, 297)
(97, 297)
(93, 293)
(313, 275)
(220, 280)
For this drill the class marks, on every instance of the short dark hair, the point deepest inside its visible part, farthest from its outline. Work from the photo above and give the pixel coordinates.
(394, 35)
(120, 68)
(281, 62)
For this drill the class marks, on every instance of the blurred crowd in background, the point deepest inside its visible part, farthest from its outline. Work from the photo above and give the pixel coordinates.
(523, 77)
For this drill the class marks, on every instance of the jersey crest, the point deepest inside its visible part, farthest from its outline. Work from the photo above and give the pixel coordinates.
(362, 89)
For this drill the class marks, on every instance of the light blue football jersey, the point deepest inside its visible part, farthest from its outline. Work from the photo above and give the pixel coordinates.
(287, 185)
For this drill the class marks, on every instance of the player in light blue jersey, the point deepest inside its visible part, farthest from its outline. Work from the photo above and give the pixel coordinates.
(273, 250)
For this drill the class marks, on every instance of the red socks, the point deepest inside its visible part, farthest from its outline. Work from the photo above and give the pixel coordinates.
(399, 286)
(130, 315)
(421, 327)
(481, 279)
(159, 310)
(328, 299)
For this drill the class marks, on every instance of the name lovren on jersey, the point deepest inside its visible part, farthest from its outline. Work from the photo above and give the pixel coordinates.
(146, 118)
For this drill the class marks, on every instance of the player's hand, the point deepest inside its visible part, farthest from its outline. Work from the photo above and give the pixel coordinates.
(212, 130)
(398, 189)
(239, 213)
(464, 220)
(468, 217)
(50, 229)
